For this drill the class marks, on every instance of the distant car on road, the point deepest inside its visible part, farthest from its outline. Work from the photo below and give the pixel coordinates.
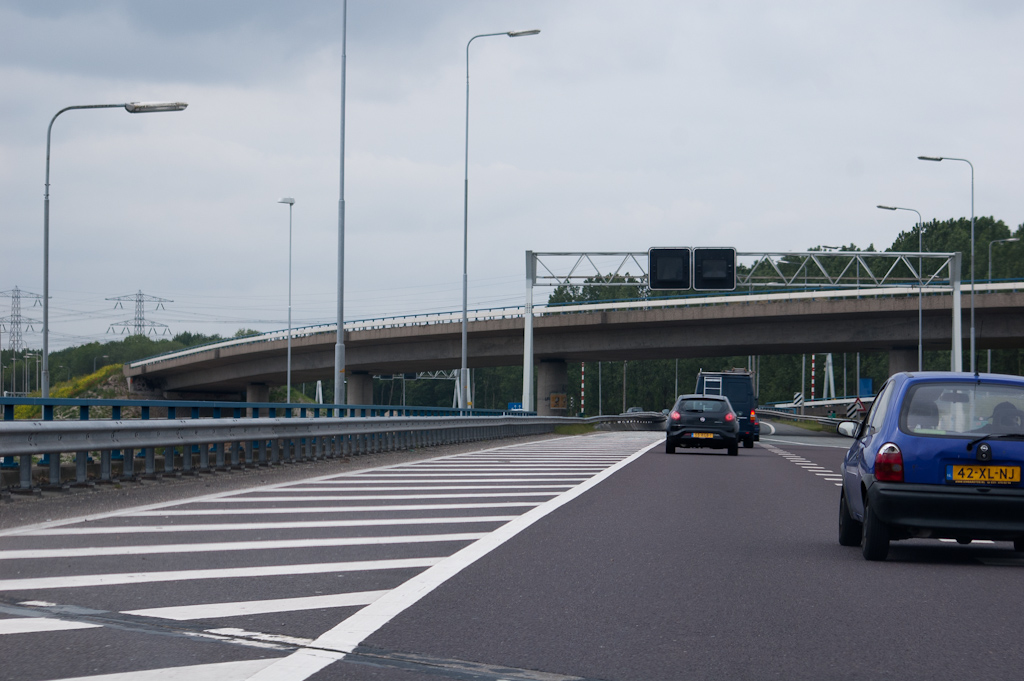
(635, 410)
(702, 421)
(938, 456)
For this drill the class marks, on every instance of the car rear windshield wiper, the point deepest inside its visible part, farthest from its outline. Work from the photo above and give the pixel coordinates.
(994, 436)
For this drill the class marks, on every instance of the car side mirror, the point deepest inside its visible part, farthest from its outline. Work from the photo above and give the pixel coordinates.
(848, 428)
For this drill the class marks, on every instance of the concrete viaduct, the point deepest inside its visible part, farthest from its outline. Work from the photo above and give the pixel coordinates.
(754, 325)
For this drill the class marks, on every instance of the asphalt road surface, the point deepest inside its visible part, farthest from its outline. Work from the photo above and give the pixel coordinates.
(597, 557)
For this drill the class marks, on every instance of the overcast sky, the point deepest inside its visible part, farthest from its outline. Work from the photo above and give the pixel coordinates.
(762, 125)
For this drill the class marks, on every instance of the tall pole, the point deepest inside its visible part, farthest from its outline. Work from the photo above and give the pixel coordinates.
(130, 107)
(920, 283)
(288, 393)
(990, 243)
(288, 379)
(964, 160)
(339, 345)
(464, 401)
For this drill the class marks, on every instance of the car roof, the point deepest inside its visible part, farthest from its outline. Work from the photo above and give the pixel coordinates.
(957, 377)
(721, 398)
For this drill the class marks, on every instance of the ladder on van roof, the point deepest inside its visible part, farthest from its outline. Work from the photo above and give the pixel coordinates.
(712, 385)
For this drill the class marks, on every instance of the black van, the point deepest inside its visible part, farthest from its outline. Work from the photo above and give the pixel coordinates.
(738, 386)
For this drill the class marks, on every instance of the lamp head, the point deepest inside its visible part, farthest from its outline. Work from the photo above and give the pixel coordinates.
(887, 207)
(930, 158)
(287, 200)
(154, 107)
(519, 34)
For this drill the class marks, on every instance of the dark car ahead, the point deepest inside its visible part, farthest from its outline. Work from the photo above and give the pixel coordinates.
(939, 456)
(702, 421)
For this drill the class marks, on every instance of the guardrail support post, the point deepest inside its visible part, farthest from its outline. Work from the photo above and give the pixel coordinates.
(25, 470)
(105, 465)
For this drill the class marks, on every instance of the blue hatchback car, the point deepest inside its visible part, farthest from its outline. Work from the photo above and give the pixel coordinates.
(939, 455)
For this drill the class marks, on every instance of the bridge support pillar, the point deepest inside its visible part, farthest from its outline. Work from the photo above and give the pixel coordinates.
(257, 392)
(902, 359)
(552, 386)
(359, 389)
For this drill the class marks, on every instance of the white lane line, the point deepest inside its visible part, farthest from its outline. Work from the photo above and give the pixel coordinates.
(487, 470)
(216, 610)
(329, 509)
(973, 541)
(417, 488)
(218, 671)
(379, 477)
(77, 530)
(808, 444)
(417, 481)
(824, 473)
(770, 427)
(269, 545)
(35, 625)
(77, 581)
(253, 499)
(348, 634)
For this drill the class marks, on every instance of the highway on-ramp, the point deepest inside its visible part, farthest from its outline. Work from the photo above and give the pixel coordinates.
(597, 557)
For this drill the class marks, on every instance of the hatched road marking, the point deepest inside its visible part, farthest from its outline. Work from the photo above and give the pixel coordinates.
(337, 514)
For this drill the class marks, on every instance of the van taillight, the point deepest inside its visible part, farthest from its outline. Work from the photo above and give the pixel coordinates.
(889, 463)
(753, 417)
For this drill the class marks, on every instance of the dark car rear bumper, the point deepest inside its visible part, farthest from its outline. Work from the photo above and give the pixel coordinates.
(948, 511)
(682, 437)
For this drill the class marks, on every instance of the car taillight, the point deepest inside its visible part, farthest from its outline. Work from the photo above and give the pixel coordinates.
(753, 417)
(676, 416)
(729, 417)
(889, 463)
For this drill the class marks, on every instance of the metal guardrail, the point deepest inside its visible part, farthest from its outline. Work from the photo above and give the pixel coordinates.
(190, 446)
(830, 423)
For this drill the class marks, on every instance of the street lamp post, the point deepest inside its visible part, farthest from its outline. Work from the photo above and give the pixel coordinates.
(964, 160)
(288, 384)
(96, 358)
(920, 317)
(29, 372)
(339, 342)
(464, 370)
(997, 241)
(130, 107)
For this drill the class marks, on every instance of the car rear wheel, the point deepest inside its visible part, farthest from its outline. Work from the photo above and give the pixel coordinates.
(669, 448)
(876, 536)
(1018, 544)
(850, 530)
(748, 443)
(734, 449)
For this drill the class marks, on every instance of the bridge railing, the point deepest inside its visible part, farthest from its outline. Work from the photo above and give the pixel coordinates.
(191, 446)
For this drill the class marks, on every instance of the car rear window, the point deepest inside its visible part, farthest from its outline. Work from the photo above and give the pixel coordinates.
(713, 406)
(963, 409)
